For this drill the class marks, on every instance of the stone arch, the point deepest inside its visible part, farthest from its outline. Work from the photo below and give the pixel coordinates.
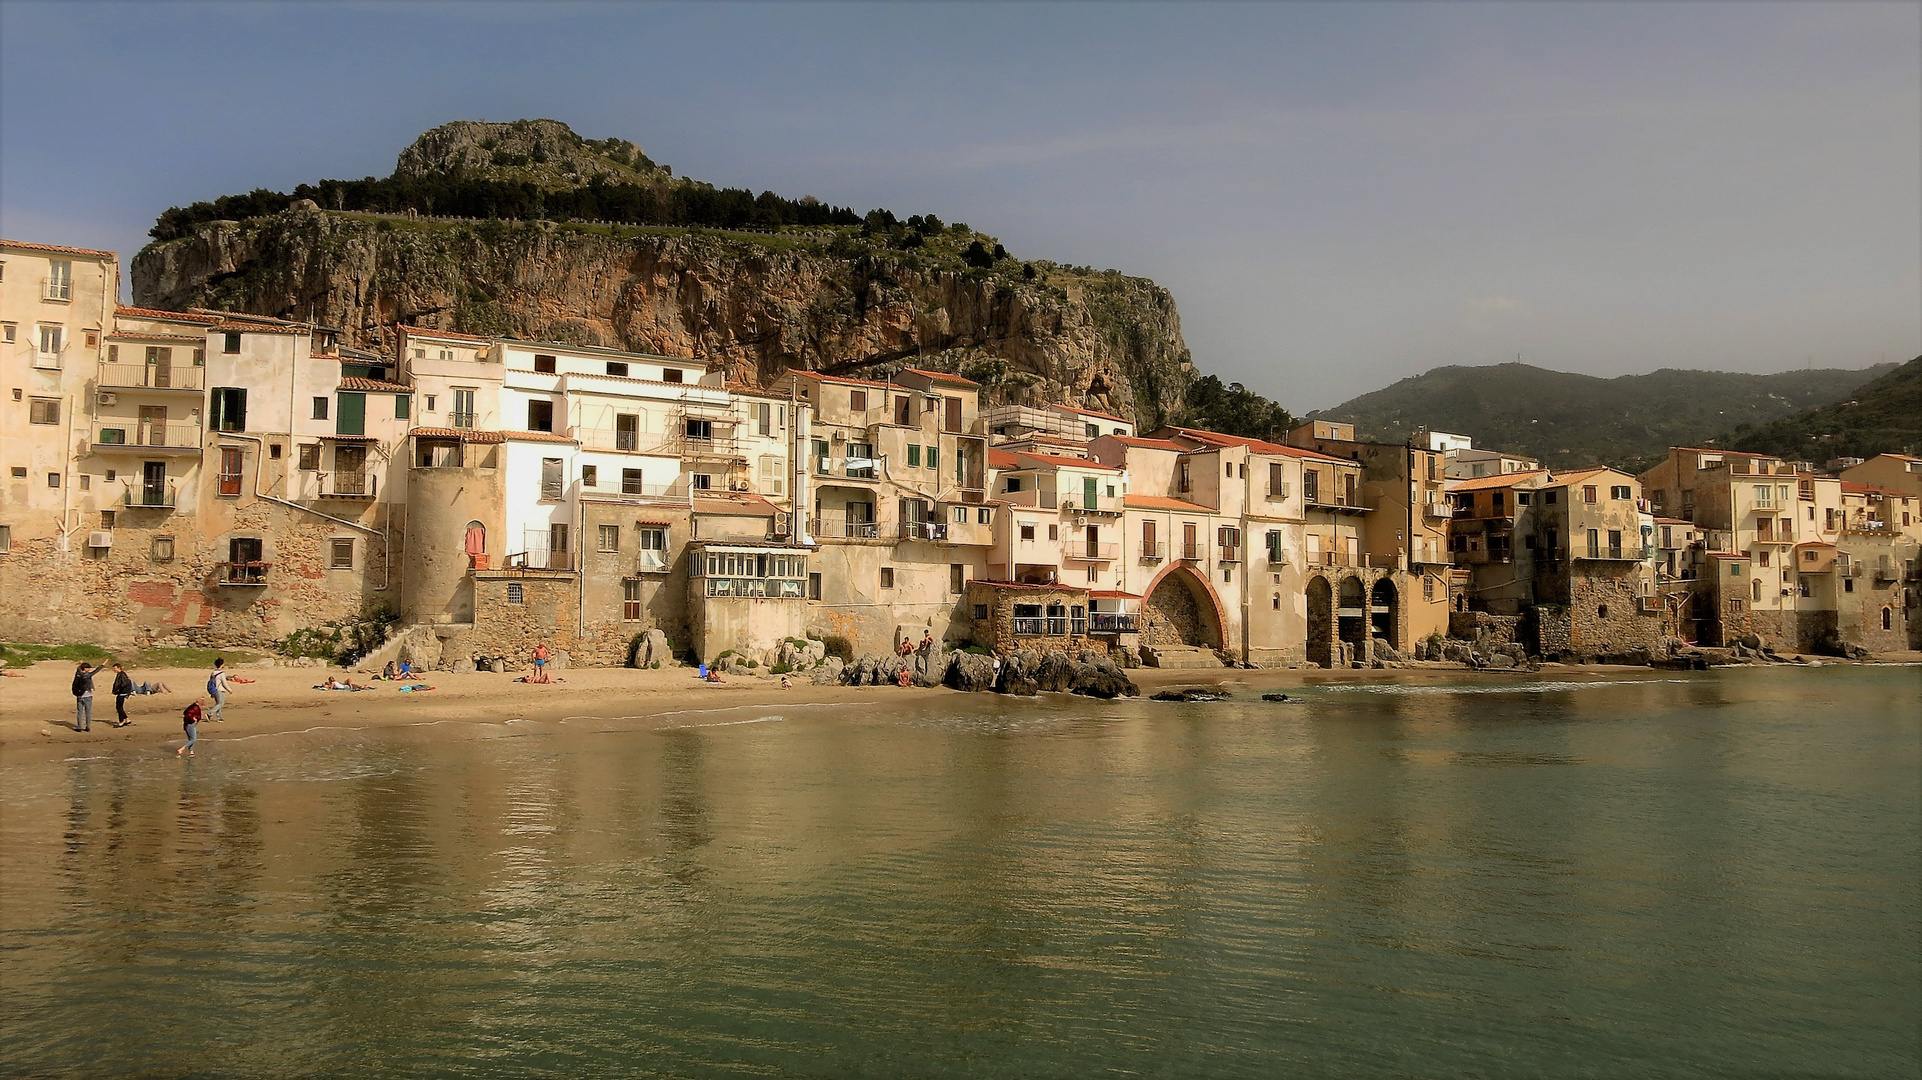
(1384, 612)
(1351, 617)
(1180, 608)
(1321, 622)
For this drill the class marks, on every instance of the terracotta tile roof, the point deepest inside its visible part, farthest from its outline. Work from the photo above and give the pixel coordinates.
(233, 325)
(1091, 412)
(1151, 444)
(1499, 480)
(655, 524)
(1162, 502)
(464, 434)
(819, 377)
(372, 386)
(128, 335)
(58, 250)
(1674, 521)
(1001, 459)
(537, 436)
(1854, 488)
(1059, 462)
(941, 377)
(422, 331)
(165, 316)
(1724, 453)
(1257, 446)
(1114, 594)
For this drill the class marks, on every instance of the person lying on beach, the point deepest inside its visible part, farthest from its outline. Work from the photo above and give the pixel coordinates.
(415, 688)
(714, 675)
(154, 687)
(539, 677)
(338, 684)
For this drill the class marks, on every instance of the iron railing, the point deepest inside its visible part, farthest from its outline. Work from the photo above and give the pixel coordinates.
(151, 496)
(243, 573)
(152, 377)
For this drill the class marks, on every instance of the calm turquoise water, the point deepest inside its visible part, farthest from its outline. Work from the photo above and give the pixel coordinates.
(1683, 876)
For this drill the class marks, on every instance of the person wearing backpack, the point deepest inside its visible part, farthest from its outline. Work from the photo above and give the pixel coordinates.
(122, 690)
(83, 697)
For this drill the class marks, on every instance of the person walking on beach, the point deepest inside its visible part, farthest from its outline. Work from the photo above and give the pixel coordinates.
(190, 723)
(217, 688)
(83, 697)
(122, 690)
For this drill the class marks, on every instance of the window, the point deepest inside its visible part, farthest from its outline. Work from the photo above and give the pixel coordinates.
(934, 457)
(557, 544)
(163, 549)
(1428, 584)
(590, 476)
(1588, 493)
(610, 537)
(320, 408)
(544, 364)
(106, 516)
(631, 600)
(1310, 485)
(653, 541)
(814, 586)
(551, 482)
(86, 482)
(773, 482)
(309, 456)
(631, 482)
(540, 416)
(429, 406)
(342, 556)
(1762, 557)
(6, 539)
(984, 516)
(980, 612)
(673, 375)
(19, 472)
(617, 367)
(698, 429)
(914, 456)
(1229, 468)
(229, 408)
(1522, 498)
(401, 406)
(463, 414)
(1620, 491)
(1227, 574)
(9, 333)
(230, 343)
(44, 411)
(110, 472)
(52, 338)
(858, 400)
(1027, 531)
(1594, 542)
(232, 461)
(627, 431)
(957, 577)
(887, 577)
(59, 279)
(1054, 532)
(53, 479)
(514, 592)
(1092, 430)
(1013, 484)
(701, 481)
(958, 515)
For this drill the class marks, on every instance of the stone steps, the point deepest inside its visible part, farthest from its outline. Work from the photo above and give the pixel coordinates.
(1179, 656)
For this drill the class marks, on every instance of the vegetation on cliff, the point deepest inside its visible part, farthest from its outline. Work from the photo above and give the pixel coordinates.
(1570, 420)
(1880, 417)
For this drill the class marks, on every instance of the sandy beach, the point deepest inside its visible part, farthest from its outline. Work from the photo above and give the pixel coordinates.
(36, 708)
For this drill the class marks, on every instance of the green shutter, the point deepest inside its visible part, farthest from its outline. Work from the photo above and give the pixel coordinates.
(914, 456)
(351, 417)
(1088, 492)
(400, 406)
(934, 457)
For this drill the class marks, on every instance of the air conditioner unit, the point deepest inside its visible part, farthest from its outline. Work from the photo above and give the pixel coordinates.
(738, 485)
(783, 523)
(100, 538)
(1067, 504)
(840, 436)
(107, 399)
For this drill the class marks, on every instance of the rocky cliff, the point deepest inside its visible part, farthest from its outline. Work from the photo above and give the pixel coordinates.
(845, 300)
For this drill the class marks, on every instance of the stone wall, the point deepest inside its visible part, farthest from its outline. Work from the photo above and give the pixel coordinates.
(1605, 614)
(547, 614)
(1173, 615)
(1484, 627)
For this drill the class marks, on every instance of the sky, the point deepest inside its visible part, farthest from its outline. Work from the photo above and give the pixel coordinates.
(1337, 195)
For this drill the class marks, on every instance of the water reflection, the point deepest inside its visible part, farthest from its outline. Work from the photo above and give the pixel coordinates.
(1715, 872)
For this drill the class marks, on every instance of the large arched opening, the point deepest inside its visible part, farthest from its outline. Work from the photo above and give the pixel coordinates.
(1321, 622)
(1382, 613)
(1351, 618)
(1181, 609)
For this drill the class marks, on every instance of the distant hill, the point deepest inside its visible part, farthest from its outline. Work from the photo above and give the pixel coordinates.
(1879, 417)
(1569, 420)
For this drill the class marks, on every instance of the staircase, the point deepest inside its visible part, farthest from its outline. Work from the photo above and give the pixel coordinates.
(1179, 656)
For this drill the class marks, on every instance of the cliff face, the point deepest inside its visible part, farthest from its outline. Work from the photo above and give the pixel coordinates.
(758, 304)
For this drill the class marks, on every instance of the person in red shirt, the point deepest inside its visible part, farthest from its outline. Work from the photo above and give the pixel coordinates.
(190, 723)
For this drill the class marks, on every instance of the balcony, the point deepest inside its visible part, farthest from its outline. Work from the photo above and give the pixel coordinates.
(147, 436)
(1082, 551)
(1191, 553)
(1438, 510)
(461, 420)
(151, 377)
(1040, 627)
(1113, 622)
(348, 485)
(924, 530)
(243, 573)
(1229, 555)
(148, 496)
(1154, 553)
(836, 525)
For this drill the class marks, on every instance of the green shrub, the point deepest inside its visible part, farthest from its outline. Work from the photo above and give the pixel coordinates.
(17, 653)
(780, 669)
(342, 641)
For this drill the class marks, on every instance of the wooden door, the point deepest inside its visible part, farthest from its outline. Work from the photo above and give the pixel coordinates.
(954, 413)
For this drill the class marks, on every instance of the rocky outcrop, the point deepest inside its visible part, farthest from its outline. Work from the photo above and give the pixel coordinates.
(759, 305)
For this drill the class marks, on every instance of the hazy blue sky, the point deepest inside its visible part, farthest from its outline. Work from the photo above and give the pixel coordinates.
(1338, 195)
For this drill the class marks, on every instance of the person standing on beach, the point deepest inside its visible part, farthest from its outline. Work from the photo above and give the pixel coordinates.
(217, 687)
(540, 662)
(122, 690)
(190, 723)
(83, 697)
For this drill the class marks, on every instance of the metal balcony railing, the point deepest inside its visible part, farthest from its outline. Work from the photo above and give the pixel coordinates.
(243, 573)
(1039, 627)
(348, 485)
(151, 377)
(1191, 553)
(834, 526)
(1229, 555)
(924, 530)
(460, 419)
(1154, 552)
(171, 434)
(151, 496)
(1111, 622)
(1082, 551)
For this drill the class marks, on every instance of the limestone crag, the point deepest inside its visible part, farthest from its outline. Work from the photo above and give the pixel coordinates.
(759, 305)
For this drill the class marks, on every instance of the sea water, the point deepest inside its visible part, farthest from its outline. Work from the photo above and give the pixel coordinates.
(1701, 875)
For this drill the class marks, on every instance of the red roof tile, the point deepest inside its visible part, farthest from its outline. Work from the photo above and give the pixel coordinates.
(128, 335)
(423, 331)
(819, 377)
(165, 316)
(1162, 502)
(371, 386)
(1091, 412)
(1060, 462)
(1001, 459)
(536, 436)
(58, 250)
(1499, 480)
(1151, 444)
(1258, 446)
(941, 376)
(464, 434)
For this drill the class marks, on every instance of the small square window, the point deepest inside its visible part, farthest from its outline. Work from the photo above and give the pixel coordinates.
(273, 451)
(672, 375)
(19, 472)
(86, 482)
(429, 407)
(53, 479)
(610, 538)
(544, 364)
(617, 367)
(110, 476)
(163, 549)
(590, 476)
(1054, 532)
(980, 612)
(106, 519)
(9, 332)
(43, 411)
(887, 577)
(1027, 532)
(514, 593)
(342, 555)
(320, 408)
(230, 343)
(984, 516)
(309, 455)
(92, 338)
